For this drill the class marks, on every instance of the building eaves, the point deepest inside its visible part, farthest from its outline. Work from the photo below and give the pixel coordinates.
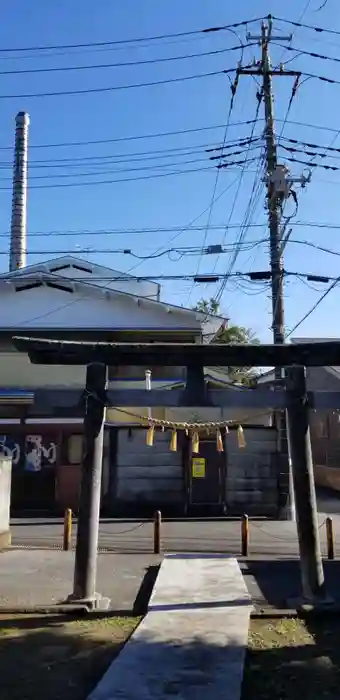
(40, 272)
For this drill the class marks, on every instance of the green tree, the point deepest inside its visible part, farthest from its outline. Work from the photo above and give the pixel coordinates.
(231, 335)
(208, 306)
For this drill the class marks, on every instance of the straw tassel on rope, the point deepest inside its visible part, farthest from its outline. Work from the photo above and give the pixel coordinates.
(150, 435)
(219, 441)
(173, 442)
(240, 437)
(194, 429)
(195, 442)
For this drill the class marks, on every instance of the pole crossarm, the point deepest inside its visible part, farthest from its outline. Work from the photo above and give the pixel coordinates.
(259, 71)
(56, 352)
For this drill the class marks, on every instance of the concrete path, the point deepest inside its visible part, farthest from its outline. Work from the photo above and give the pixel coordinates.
(29, 578)
(191, 644)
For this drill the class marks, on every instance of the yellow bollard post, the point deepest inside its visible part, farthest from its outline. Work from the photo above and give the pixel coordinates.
(330, 538)
(67, 529)
(245, 535)
(157, 532)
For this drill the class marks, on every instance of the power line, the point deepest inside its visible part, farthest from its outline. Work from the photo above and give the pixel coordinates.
(328, 148)
(188, 226)
(313, 145)
(128, 231)
(219, 294)
(252, 276)
(314, 307)
(293, 93)
(126, 278)
(322, 78)
(314, 154)
(309, 125)
(109, 170)
(137, 137)
(310, 164)
(103, 66)
(316, 224)
(119, 160)
(169, 133)
(108, 160)
(319, 30)
(101, 49)
(316, 39)
(182, 251)
(171, 229)
(310, 244)
(144, 155)
(213, 196)
(312, 54)
(122, 139)
(129, 41)
(243, 231)
(302, 14)
(121, 180)
(112, 88)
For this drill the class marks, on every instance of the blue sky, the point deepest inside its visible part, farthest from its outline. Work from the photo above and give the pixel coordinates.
(173, 201)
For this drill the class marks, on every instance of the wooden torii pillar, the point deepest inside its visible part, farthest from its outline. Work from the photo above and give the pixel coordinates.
(312, 575)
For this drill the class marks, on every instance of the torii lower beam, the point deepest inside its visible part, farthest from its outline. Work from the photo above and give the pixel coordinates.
(170, 398)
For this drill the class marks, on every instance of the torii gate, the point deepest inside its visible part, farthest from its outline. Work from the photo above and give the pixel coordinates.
(291, 395)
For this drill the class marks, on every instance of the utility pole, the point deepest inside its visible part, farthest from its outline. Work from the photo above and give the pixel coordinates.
(296, 456)
(276, 261)
(274, 199)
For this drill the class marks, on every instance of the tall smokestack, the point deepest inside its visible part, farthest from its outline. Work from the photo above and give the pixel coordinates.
(18, 250)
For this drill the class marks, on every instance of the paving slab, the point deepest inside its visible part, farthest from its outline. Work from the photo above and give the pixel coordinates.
(196, 582)
(35, 577)
(192, 642)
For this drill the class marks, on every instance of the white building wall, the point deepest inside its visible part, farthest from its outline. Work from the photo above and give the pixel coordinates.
(45, 307)
(17, 371)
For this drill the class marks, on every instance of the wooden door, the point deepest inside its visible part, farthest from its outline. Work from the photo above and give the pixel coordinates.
(207, 475)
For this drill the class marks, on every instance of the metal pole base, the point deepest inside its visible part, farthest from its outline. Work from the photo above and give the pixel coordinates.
(96, 602)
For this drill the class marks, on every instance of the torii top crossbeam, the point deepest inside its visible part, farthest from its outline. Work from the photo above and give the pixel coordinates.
(56, 352)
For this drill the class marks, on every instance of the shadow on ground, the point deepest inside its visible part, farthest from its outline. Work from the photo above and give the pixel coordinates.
(290, 659)
(57, 658)
(64, 660)
(275, 582)
(143, 596)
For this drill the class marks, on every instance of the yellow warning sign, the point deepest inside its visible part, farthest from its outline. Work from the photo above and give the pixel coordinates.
(198, 467)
